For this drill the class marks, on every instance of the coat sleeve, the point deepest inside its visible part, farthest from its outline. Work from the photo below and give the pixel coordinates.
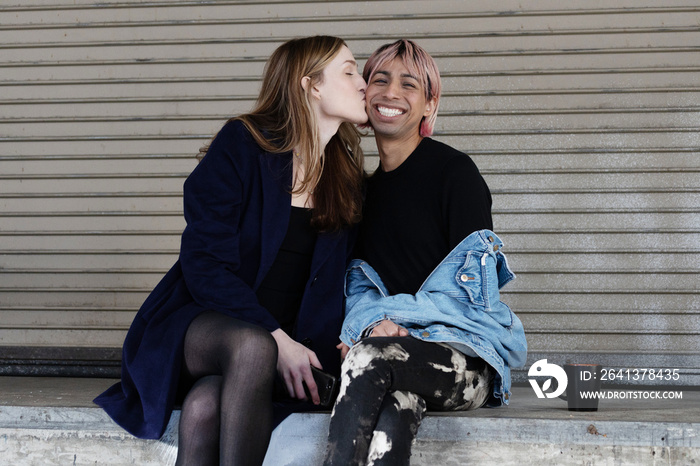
(210, 251)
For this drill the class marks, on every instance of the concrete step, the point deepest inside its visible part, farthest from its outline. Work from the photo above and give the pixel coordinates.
(51, 421)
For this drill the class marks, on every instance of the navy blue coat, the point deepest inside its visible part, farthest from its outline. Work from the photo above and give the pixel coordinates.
(237, 206)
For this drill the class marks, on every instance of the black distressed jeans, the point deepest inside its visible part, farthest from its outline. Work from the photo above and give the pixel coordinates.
(387, 384)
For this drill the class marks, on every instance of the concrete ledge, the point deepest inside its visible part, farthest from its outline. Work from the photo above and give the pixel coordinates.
(86, 436)
(52, 422)
(459, 440)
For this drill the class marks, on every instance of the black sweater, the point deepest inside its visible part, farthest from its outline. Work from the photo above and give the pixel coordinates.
(416, 214)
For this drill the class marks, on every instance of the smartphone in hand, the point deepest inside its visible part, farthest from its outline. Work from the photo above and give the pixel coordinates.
(328, 386)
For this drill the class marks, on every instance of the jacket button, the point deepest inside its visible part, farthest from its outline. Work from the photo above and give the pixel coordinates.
(491, 238)
(313, 282)
(496, 248)
(464, 277)
(425, 334)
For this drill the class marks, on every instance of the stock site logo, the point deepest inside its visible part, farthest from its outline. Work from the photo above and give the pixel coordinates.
(542, 369)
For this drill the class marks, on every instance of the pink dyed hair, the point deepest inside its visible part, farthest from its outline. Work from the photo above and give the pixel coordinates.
(420, 64)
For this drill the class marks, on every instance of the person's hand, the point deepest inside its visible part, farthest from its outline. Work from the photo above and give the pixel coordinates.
(343, 350)
(387, 328)
(293, 362)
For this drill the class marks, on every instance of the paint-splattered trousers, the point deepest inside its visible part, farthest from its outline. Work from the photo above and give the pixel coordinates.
(387, 383)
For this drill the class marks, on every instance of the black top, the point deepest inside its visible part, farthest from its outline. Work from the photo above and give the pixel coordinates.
(417, 213)
(282, 288)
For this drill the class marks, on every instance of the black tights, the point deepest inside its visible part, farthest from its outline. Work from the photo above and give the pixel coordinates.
(227, 413)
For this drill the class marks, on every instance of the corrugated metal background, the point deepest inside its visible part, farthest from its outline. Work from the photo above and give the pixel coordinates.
(583, 117)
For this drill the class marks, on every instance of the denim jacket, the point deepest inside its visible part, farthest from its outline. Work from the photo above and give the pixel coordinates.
(458, 304)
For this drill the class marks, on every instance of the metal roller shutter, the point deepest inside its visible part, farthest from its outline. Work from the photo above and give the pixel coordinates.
(583, 117)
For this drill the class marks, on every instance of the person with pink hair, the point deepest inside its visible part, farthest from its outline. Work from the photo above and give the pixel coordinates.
(424, 325)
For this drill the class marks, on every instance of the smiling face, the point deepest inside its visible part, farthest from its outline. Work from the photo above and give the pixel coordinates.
(341, 93)
(396, 102)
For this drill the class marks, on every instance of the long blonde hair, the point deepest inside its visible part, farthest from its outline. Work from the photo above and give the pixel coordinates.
(283, 119)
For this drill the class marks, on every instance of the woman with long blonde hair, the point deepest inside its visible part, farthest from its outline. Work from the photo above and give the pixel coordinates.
(256, 296)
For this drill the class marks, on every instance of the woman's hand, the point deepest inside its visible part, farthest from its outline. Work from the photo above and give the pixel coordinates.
(387, 328)
(293, 362)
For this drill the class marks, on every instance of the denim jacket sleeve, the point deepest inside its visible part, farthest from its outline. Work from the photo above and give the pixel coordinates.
(363, 288)
(368, 303)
